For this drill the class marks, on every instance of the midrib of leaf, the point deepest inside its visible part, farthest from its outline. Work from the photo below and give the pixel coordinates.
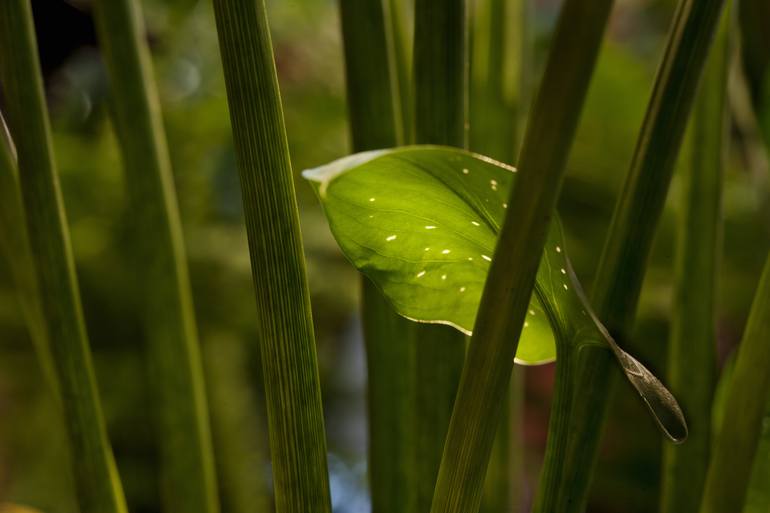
(487, 370)
(184, 439)
(284, 319)
(627, 246)
(692, 345)
(440, 112)
(745, 405)
(373, 77)
(96, 478)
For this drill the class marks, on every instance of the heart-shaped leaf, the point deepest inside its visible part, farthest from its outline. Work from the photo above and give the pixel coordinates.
(422, 222)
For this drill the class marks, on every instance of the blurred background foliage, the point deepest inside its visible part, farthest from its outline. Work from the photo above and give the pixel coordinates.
(306, 37)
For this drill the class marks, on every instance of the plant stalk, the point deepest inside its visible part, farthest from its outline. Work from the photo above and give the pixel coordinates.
(628, 243)
(284, 318)
(692, 347)
(499, 90)
(488, 365)
(564, 396)
(440, 66)
(737, 439)
(373, 94)
(96, 477)
(188, 477)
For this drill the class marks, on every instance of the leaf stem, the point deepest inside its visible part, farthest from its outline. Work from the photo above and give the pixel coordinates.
(548, 498)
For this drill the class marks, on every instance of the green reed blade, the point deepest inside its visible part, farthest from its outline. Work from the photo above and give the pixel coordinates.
(287, 341)
(187, 473)
(96, 478)
(487, 370)
(373, 78)
(692, 346)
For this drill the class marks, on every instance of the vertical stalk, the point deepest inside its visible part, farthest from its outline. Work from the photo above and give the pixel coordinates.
(397, 19)
(440, 113)
(287, 341)
(548, 499)
(375, 122)
(637, 211)
(187, 473)
(498, 92)
(745, 405)
(692, 347)
(96, 478)
(488, 365)
(497, 79)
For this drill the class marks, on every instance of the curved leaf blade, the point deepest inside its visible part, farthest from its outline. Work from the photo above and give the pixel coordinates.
(427, 233)
(422, 222)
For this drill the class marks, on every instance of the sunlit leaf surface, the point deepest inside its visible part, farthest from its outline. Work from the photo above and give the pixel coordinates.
(422, 222)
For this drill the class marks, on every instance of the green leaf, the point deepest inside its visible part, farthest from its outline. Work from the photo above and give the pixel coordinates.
(422, 223)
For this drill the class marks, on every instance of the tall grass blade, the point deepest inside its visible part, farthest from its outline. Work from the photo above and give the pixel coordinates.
(440, 113)
(487, 370)
(624, 258)
(287, 341)
(187, 473)
(373, 92)
(692, 346)
(16, 251)
(745, 406)
(96, 478)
